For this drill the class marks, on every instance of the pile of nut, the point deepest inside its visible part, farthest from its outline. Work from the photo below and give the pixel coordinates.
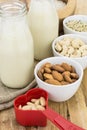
(34, 104)
(71, 47)
(57, 74)
(77, 25)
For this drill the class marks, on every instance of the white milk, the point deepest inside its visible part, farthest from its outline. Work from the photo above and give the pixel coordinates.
(43, 22)
(16, 53)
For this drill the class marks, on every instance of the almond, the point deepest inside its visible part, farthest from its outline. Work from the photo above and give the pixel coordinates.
(48, 76)
(67, 78)
(42, 70)
(74, 75)
(66, 73)
(53, 81)
(47, 70)
(73, 80)
(56, 75)
(40, 75)
(73, 69)
(66, 66)
(64, 82)
(48, 65)
(58, 68)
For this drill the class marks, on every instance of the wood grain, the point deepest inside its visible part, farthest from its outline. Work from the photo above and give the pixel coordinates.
(68, 9)
(74, 109)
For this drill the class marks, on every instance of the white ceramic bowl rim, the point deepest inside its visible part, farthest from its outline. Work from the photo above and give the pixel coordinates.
(73, 17)
(50, 85)
(68, 35)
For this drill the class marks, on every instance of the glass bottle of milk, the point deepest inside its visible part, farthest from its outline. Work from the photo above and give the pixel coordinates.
(43, 22)
(16, 46)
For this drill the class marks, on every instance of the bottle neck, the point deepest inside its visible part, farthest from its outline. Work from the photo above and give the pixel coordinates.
(42, 3)
(12, 9)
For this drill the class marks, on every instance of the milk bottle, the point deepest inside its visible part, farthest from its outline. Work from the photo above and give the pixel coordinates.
(16, 46)
(43, 22)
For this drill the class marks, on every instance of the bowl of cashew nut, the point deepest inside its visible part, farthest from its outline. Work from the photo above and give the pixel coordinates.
(75, 24)
(73, 46)
(59, 76)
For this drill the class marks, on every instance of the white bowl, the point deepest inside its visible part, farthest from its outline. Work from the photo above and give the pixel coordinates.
(59, 93)
(81, 60)
(67, 30)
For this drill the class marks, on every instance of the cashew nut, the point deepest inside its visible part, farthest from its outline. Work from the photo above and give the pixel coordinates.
(83, 48)
(77, 53)
(67, 41)
(75, 43)
(64, 51)
(58, 47)
(70, 50)
(84, 53)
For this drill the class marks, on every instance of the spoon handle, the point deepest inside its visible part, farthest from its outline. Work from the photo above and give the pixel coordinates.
(60, 121)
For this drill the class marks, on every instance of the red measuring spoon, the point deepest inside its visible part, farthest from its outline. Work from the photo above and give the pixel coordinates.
(38, 117)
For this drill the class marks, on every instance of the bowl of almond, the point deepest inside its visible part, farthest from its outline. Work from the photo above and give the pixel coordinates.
(73, 46)
(59, 76)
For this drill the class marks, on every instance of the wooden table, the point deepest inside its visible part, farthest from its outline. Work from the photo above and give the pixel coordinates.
(74, 109)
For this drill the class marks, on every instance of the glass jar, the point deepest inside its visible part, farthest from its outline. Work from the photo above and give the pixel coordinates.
(44, 26)
(16, 46)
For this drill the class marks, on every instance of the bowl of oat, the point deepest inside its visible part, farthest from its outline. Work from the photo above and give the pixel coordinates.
(59, 76)
(75, 24)
(73, 46)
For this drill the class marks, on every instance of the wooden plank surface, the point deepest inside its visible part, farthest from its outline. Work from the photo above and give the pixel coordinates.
(74, 109)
